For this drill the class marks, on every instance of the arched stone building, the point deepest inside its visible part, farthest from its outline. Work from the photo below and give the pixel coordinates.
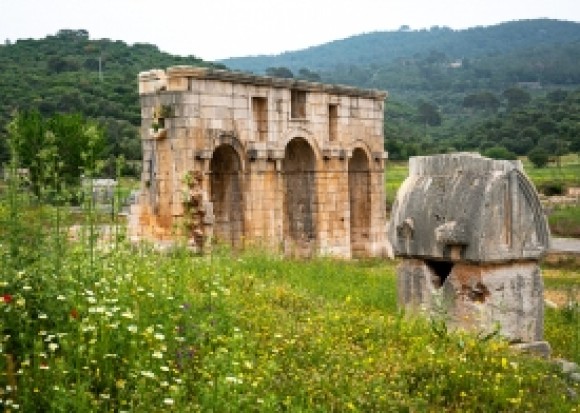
(250, 160)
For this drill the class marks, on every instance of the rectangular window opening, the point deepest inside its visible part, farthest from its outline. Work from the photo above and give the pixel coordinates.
(260, 118)
(298, 104)
(354, 108)
(332, 122)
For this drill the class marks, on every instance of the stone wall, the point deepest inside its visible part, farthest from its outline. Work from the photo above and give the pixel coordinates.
(277, 158)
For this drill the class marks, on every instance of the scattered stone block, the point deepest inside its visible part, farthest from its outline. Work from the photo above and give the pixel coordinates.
(567, 367)
(537, 348)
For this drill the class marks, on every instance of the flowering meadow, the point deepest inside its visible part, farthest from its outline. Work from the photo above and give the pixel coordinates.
(93, 326)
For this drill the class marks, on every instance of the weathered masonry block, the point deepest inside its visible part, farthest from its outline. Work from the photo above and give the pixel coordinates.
(471, 231)
(240, 159)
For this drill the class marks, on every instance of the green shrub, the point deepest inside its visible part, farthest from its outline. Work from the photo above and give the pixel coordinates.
(552, 188)
(538, 157)
(499, 152)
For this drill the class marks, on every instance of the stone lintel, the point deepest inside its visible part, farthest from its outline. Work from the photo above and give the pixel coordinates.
(275, 154)
(203, 154)
(379, 156)
(330, 153)
(255, 154)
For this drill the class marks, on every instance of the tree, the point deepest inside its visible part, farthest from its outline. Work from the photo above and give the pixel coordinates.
(575, 144)
(279, 72)
(520, 146)
(557, 96)
(538, 157)
(59, 65)
(428, 114)
(499, 152)
(482, 100)
(530, 132)
(56, 150)
(73, 34)
(516, 97)
(306, 74)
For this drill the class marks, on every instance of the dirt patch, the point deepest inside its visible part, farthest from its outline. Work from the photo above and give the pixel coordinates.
(561, 297)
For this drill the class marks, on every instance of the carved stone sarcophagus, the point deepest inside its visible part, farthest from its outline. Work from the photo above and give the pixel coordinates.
(471, 231)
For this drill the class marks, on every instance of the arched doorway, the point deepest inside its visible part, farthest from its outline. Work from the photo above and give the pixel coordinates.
(226, 195)
(360, 202)
(300, 193)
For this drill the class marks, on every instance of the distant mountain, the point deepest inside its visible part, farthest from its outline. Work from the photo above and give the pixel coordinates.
(514, 86)
(379, 48)
(506, 89)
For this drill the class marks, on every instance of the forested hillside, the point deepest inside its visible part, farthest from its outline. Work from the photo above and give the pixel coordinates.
(382, 48)
(68, 72)
(504, 90)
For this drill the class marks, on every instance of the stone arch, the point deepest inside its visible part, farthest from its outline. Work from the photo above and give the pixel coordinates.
(226, 195)
(306, 135)
(359, 183)
(363, 146)
(234, 143)
(299, 167)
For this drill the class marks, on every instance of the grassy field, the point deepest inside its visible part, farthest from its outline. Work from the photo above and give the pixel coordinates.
(395, 174)
(91, 327)
(564, 220)
(562, 326)
(567, 174)
(250, 333)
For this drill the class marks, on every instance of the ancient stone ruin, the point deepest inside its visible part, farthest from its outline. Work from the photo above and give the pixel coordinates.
(244, 160)
(471, 232)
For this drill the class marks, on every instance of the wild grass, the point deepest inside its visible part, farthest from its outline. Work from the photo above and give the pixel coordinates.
(93, 325)
(395, 174)
(567, 172)
(562, 327)
(564, 220)
(124, 328)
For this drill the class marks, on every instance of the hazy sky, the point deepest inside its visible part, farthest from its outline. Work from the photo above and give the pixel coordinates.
(214, 29)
